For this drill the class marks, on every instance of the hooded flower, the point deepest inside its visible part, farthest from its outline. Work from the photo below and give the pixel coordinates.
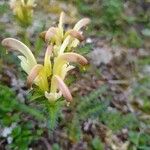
(50, 75)
(65, 41)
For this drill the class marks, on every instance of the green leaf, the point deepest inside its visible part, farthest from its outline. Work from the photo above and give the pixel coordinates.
(74, 129)
(56, 147)
(134, 137)
(97, 144)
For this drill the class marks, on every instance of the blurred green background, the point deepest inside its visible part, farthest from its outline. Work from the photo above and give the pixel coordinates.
(111, 107)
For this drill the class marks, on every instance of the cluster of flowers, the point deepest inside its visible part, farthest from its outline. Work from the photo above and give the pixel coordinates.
(23, 10)
(50, 76)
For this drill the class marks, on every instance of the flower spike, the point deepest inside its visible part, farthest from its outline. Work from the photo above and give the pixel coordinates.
(49, 76)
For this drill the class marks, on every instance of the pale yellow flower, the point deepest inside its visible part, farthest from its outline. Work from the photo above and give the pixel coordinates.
(23, 10)
(65, 40)
(39, 74)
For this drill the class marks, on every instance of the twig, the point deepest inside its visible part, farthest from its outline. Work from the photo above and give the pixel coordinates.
(118, 82)
(46, 143)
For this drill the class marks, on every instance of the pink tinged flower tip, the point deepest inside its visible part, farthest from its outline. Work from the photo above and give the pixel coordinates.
(10, 43)
(63, 88)
(74, 57)
(14, 44)
(77, 35)
(33, 74)
(49, 50)
(27, 60)
(81, 23)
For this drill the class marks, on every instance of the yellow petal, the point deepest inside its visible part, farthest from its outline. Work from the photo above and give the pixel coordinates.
(41, 81)
(33, 74)
(65, 58)
(74, 43)
(83, 22)
(14, 44)
(63, 88)
(23, 2)
(64, 45)
(60, 25)
(24, 64)
(61, 20)
(65, 68)
(47, 62)
(53, 96)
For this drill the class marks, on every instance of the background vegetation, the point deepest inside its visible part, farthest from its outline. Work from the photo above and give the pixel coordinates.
(111, 106)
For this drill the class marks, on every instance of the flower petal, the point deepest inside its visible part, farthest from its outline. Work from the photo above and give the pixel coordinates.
(64, 45)
(23, 2)
(53, 96)
(47, 62)
(33, 74)
(14, 44)
(31, 3)
(24, 64)
(77, 35)
(63, 88)
(65, 58)
(83, 22)
(74, 57)
(65, 69)
(50, 33)
(61, 20)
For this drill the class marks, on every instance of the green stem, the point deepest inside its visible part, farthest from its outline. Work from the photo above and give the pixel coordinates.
(53, 109)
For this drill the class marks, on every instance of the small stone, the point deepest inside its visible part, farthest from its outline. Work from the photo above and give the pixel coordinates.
(9, 140)
(89, 40)
(101, 55)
